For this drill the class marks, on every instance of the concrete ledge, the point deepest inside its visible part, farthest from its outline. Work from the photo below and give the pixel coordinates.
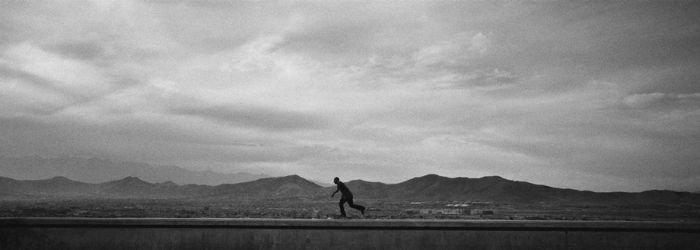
(208, 233)
(360, 224)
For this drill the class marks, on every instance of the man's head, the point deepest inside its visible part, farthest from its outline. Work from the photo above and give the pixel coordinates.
(336, 180)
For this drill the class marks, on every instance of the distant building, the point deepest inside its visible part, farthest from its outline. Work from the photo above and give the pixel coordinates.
(458, 205)
(442, 211)
(481, 212)
(483, 203)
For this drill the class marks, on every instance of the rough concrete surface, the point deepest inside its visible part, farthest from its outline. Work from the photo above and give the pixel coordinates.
(156, 233)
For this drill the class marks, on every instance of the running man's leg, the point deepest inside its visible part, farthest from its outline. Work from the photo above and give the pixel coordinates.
(358, 207)
(342, 207)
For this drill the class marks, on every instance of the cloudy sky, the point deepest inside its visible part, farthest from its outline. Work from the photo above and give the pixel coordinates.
(593, 95)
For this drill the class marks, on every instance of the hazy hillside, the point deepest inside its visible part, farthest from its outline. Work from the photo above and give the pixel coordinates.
(425, 188)
(54, 187)
(497, 189)
(291, 186)
(278, 187)
(95, 170)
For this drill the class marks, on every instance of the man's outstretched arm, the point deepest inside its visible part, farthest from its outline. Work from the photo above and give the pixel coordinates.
(335, 192)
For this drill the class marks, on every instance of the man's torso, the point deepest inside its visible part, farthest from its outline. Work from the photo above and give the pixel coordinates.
(344, 190)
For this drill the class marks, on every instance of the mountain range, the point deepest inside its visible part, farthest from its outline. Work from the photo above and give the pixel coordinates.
(96, 170)
(425, 188)
(497, 189)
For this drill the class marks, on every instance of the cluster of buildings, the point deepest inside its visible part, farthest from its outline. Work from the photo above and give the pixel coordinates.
(456, 209)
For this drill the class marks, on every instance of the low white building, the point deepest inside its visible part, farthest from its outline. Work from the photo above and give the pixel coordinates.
(442, 211)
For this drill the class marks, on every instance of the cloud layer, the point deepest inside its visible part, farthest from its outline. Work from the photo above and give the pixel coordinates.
(601, 96)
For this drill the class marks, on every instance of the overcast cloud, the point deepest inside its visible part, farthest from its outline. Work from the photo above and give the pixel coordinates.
(589, 95)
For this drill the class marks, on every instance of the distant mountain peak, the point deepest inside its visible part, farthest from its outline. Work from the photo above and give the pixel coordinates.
(427, 178)
(130, 180)
(60, 178)
(493, 177)
(431, 176)
(294, 179)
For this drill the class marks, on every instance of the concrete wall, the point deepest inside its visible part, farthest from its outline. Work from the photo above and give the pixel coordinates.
(139, 233)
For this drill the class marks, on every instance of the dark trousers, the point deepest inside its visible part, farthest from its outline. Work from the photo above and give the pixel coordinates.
(352, 205)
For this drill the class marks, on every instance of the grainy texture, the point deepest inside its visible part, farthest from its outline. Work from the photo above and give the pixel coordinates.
(70, 233)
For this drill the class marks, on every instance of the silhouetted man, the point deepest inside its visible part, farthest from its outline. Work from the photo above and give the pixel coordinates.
(346, 197)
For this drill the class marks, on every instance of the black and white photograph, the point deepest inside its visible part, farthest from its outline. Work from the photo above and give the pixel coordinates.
(349, 124)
